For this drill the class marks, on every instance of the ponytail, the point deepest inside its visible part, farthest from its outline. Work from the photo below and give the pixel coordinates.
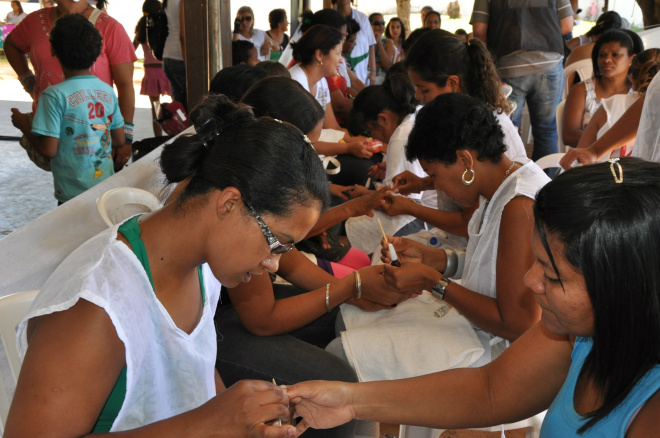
(438, 54)
(483, 80)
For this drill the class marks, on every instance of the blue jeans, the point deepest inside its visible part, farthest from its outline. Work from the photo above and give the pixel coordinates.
(175, 71)
(289, 358)
(543, 92)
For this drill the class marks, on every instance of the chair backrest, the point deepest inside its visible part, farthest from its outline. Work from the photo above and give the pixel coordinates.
(120, 203)
(561, 147)
(550, 161)
(12, 310)
(584, 68)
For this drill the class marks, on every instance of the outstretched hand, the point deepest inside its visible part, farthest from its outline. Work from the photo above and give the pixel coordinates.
(582, 155)
(320, 404)
(254, 405)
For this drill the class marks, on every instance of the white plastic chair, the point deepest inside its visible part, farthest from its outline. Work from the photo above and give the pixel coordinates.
(584, 68)
(550, 161)
(561, 147)
(120, 203)
(12, 310)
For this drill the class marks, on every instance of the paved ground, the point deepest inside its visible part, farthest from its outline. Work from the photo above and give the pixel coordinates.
(26, 192)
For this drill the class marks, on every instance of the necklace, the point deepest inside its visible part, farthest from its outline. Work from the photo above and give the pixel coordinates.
(506, 175)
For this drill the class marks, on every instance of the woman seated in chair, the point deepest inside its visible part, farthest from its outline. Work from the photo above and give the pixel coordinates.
(594, 358)
(121, 336)
(643, 69)
(611, 58)
(459, 145)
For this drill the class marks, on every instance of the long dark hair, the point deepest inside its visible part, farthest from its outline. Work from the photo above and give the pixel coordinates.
(269, 162)
(396, 94)
(452, 122)
(610, 233)
(403, 29)
(318, 37)
(149, 7)
(285, 99)
(437, 55)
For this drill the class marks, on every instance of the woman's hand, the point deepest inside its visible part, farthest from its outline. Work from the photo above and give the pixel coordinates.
(321, 404)
(21, 121)
(412, 277)
(339, 191)
(396, 205)
(407, 182)
(246, 409)
(377, 171)
(581, 155)
(369, 202)
(359, 148)
(376, 289)
(407, 250)
(358, 191)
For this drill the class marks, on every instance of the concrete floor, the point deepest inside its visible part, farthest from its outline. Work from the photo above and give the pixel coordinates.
(26, 192)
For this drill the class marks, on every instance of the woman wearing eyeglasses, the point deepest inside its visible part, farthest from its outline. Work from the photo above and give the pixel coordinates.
(385, 50)
(121, 337)
(244, 30)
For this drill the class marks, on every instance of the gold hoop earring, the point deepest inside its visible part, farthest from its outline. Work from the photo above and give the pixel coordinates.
(466, 181)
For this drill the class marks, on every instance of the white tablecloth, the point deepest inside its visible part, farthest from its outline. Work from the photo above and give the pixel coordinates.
(30, 254)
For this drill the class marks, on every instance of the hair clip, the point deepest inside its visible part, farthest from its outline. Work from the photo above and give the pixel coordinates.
(278, 120)
(307, 140)
(617, 178)
(207, 132)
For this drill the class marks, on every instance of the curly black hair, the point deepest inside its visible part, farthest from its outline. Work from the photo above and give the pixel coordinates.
(452, 122)
(76, 42)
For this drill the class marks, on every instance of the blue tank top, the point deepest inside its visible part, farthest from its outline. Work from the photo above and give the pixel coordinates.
(562, 420)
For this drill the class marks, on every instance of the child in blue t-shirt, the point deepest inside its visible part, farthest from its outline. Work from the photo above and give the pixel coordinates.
(77, 120)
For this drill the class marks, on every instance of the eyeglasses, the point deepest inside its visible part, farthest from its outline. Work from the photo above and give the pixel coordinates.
(245, 18)
(276, 247)
(378, 23)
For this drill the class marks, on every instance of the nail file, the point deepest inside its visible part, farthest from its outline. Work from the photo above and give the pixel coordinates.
(393, 256)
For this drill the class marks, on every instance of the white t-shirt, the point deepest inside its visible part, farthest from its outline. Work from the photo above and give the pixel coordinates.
(365, 39)
(258, 37)
(172, 49)
(647, 144)
(322, 90)
(168, 371)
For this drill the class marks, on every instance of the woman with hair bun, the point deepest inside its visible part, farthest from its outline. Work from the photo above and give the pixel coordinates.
(121, 336)
(459, 144)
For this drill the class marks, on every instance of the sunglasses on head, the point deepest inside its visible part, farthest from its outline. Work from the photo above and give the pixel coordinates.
(246, 18)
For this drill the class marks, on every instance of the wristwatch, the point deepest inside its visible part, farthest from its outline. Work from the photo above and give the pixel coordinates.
(440, 288)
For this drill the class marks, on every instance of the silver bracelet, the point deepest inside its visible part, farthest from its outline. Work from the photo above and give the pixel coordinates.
(452, 262)
(358, 285)
(327, 297)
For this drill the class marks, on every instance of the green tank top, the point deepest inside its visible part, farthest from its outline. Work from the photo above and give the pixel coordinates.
(131, 230)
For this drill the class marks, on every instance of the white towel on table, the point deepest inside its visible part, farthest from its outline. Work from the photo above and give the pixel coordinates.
(408, 340)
